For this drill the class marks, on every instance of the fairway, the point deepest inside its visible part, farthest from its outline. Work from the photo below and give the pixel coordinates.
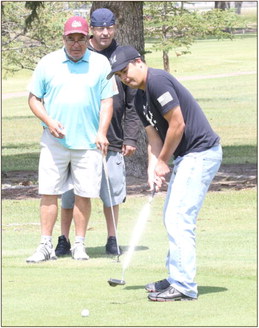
(226, 260)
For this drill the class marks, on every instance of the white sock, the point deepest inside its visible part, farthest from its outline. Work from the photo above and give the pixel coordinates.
(79, 239)
(46, 239)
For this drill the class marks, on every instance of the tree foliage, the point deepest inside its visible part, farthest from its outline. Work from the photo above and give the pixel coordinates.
(30, 30)
(176, 28)
(34, 7)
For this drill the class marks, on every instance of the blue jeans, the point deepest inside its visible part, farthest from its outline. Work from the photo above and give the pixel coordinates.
(190, 180)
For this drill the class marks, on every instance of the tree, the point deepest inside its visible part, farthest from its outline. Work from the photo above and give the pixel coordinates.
(176, 28)
(223, 5)
(238, 6)
(172, 26)
(25, 40)
(34, 7)
(129, 18)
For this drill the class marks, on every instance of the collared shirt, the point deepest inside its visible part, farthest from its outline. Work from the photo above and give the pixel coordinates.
(72, 94)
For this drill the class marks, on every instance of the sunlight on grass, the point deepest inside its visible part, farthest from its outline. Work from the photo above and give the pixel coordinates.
(210, 57)
(228, 102)
(226, 258)
(17, 83)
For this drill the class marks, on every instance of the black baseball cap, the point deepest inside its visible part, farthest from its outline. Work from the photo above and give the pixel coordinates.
(121, 57)
(102, 17)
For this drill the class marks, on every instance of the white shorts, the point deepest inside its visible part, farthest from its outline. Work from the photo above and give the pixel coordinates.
(117, 183)
(61, 169)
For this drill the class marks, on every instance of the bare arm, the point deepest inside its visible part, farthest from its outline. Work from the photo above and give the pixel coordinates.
(106, 111)
(39, 111)
(173, 137)
(155, 145)
(160, 153)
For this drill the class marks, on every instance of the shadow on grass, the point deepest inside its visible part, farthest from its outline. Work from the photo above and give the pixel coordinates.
(210, 289)
(24, 162)
(242, 154)
(21, 117)
(97, 252)
(237, 154)
(201, 289)
(20, 146)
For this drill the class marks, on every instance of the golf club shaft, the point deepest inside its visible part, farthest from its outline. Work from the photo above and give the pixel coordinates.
(110, 197)
(138, 230)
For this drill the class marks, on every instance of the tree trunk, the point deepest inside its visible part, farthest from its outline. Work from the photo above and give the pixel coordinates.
(238, 6)
(166, 61)
(223, 5)
(130, 31)
(129, 20)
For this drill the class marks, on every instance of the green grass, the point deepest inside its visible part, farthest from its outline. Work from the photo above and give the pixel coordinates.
(210, 57)
(21, 132)
(54, 293)
(230, 103)
(17, 83)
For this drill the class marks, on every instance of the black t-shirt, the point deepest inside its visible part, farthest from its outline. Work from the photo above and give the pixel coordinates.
(163, 93)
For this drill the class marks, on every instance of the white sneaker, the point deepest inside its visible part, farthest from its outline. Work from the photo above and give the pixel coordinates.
(44, 252)
(78, 252)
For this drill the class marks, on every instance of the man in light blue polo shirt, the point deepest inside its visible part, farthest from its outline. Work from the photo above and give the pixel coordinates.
(70, 94)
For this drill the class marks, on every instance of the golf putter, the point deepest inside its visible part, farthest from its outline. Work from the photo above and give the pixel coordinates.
(110, 197)
(115, 282)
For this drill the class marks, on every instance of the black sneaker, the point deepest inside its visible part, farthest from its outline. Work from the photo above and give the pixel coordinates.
(169, 294)
(157, 286)
(111, 246)
(63, 247)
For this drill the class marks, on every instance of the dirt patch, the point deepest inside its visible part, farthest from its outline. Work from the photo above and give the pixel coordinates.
(23, 184)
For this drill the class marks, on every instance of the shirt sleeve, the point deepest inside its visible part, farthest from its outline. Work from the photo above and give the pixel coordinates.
(163, 93)
(109, 87)
(131, 119)
(37, 83)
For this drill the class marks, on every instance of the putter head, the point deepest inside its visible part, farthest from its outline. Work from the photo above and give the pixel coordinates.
(116, 282)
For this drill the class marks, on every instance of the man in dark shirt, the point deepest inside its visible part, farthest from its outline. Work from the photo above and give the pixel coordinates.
(122, 136)
(176, 127)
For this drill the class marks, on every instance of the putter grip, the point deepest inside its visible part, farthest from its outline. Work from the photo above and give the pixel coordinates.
(105, 166)
(153, 192)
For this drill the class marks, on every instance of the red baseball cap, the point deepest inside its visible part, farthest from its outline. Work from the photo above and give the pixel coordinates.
(76, 24)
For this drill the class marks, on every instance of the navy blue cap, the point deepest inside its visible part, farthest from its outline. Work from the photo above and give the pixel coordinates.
(102, 17)
(121, 57)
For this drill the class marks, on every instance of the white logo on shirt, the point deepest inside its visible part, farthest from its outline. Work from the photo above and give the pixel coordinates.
(149, 116)
(113, 59)
(76, 23)
(165, 98)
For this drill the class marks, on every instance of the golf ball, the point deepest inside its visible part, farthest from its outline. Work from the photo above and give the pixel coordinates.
(85, 313)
